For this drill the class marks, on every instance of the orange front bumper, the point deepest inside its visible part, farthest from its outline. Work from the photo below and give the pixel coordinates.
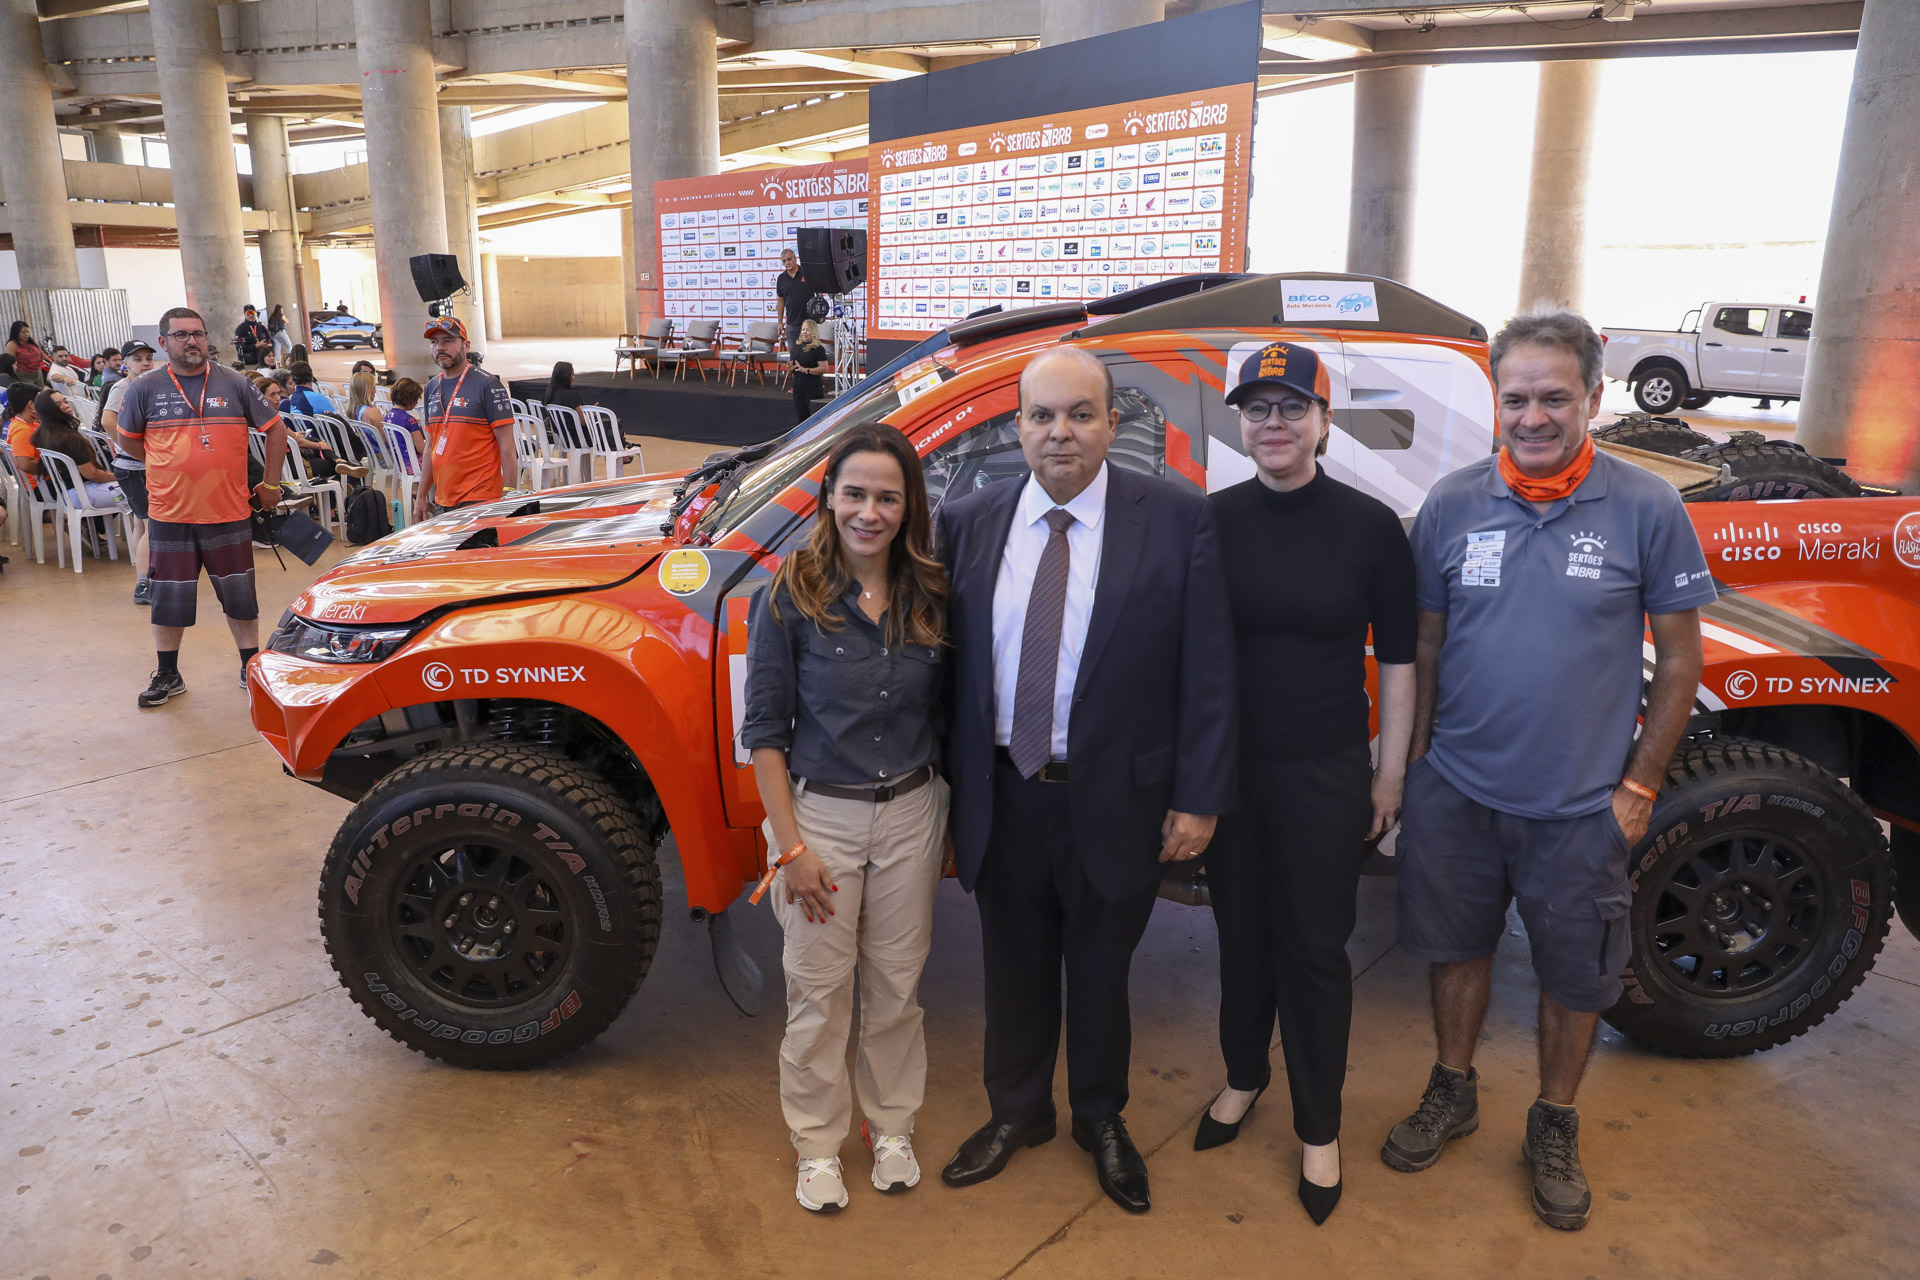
(304, 709)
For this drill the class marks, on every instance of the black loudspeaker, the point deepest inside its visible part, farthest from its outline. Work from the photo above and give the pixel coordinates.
(436, 275)
(832, 259)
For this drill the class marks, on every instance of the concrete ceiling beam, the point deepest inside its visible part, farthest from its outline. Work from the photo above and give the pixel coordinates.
(859, 24)
(1841, 17)
(797, 126)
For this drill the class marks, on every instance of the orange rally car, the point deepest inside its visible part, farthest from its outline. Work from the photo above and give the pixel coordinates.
(523, 699)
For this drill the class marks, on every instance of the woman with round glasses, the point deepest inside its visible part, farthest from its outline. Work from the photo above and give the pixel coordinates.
(1312, 566)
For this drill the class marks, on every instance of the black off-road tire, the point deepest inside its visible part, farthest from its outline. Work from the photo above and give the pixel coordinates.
(1769, 469)
(1699, 400)
(1656, 435)
(1661, 388)
(1906, 883)
(491, 835)
(1763, 890)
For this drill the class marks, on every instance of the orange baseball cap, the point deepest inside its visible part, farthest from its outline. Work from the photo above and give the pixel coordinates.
(447, 325)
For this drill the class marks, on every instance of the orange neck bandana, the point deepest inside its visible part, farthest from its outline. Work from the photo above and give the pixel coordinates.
(1560, 484)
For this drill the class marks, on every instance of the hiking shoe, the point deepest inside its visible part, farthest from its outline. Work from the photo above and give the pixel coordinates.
(1552, 1147)
(1449, 1109)
(894, 1168)
(143, 591)
(821, 1189)
(166, 684)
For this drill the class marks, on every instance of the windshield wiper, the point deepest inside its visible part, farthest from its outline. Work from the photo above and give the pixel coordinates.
(726, 468)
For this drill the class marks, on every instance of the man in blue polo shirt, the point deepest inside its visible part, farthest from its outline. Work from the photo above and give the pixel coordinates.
(1539, 571)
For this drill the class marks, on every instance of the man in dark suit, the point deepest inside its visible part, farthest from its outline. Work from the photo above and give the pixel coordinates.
(1092, 739)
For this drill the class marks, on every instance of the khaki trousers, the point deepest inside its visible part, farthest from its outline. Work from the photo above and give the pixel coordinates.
(886, 860)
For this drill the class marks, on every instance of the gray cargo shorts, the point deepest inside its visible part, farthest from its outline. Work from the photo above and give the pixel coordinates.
(1461, 863)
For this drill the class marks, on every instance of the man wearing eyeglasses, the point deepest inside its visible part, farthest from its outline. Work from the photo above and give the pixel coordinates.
(189, 421)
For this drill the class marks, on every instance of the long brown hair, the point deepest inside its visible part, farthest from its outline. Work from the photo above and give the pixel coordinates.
(817, 575)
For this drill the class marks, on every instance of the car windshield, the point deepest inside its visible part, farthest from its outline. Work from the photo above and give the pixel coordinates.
(870, 400)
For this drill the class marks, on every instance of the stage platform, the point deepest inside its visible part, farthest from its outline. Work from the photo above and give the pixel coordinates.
(710, 413)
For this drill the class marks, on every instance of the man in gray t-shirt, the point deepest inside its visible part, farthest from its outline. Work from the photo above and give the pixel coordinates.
(1539, 572)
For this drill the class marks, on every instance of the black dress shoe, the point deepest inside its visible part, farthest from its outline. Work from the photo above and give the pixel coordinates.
(1218, 1133)
(1122, 1173)
(1319, 1200)
(986, 1153)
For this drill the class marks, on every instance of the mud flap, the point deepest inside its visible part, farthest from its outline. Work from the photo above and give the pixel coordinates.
(739, 975)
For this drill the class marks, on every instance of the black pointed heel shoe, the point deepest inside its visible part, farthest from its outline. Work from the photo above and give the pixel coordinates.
(1215, 1133)
(1318, 1200)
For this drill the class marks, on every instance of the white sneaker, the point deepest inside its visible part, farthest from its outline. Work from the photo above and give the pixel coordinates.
(894, 1168)
(821, 1188)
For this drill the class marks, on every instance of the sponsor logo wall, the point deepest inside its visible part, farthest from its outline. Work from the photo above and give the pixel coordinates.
(1071, 207)
(721, 237)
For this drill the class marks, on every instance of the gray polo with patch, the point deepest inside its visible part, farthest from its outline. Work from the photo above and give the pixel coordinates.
(1540, 675)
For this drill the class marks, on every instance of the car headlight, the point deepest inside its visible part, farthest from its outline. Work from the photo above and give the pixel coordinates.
(310, 640)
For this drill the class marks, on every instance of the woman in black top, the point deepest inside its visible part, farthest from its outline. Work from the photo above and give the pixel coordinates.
(560, 387)
(1312, 565)
(844, 655)
(808, 356)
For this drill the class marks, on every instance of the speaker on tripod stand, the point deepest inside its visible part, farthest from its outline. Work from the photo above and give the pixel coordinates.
(833, 263)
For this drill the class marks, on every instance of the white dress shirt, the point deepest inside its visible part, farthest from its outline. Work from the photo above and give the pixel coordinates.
(1021, 560)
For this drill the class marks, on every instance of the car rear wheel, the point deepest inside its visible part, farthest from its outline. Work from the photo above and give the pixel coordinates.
(1661, 389)
(1763, 890)
(491, 905)
(1698, 400)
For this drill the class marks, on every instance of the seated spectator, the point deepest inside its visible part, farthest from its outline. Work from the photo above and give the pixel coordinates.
(59, 432)
(808, 356)
(306, 397)
(406, 394)
(298, 355)
(61, 373)
(22, 422)
(361, 408)
(560, 387)
(98, 370)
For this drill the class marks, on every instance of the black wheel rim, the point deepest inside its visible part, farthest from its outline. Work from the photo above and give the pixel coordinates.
(481, 925)
(1736, 916)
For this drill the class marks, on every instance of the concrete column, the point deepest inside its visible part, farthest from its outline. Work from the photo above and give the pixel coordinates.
(30, 166)
(490, 293)
(630, 320)
(310, 296)
(267, 147)
(206, 185)
(1863, 368)
(1553, 259)
(463, 212)
(1065, 20)
(673, 114)
(114, 145)
(403, 166)
(1386, 157)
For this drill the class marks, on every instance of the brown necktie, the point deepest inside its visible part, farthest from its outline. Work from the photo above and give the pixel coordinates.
(1031, 744)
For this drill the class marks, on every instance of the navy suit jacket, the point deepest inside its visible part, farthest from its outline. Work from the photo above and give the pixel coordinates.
(1153, 724)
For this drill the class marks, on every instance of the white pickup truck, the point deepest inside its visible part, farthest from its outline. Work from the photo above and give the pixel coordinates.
(1754, 349)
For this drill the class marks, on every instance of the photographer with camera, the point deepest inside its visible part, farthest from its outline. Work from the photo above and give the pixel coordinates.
(190, 427)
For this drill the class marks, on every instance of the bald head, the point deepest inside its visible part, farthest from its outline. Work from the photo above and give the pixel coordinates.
(1067, 420)
(1087, 363)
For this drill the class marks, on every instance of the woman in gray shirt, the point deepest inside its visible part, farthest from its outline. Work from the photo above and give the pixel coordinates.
(844, 653)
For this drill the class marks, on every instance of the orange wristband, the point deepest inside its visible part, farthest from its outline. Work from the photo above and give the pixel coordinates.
(1637, 789)
(773, 869)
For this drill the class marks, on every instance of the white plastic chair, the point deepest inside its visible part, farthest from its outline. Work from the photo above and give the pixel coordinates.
(606, 440)
(332, 493)
(331, 390)
(405, 473)
(518, 406)
(29, 507)
(72, 507)
(567, 439)
(536, 461)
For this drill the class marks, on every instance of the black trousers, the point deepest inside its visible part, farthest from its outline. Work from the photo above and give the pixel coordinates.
(1038, 913)
(1284, 873)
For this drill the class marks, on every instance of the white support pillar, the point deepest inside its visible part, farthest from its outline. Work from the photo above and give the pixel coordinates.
(673, 113)
(273, 195)
(403, 166)
(1863, 366)
(463, 212)
(1062, 21)
(1386, 158)
(206, 183)
(490, 293)
(30, 165)
(1553, 257)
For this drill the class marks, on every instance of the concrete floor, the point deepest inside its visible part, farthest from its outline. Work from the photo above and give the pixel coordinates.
(188, 1091)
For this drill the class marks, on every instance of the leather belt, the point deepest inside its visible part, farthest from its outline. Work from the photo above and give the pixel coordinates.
(875, 795)
(1051, 771)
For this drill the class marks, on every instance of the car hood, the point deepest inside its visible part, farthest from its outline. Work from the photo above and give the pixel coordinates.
(563, 540)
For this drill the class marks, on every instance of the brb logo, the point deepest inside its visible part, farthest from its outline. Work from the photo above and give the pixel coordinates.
(437, 676)
(1588, 556)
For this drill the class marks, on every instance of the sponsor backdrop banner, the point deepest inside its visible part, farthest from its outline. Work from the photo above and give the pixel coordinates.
(1073, 206)
(721, 236)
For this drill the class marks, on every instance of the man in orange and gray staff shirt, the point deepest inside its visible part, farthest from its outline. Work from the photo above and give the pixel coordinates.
(469, 421)
(189, 422)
